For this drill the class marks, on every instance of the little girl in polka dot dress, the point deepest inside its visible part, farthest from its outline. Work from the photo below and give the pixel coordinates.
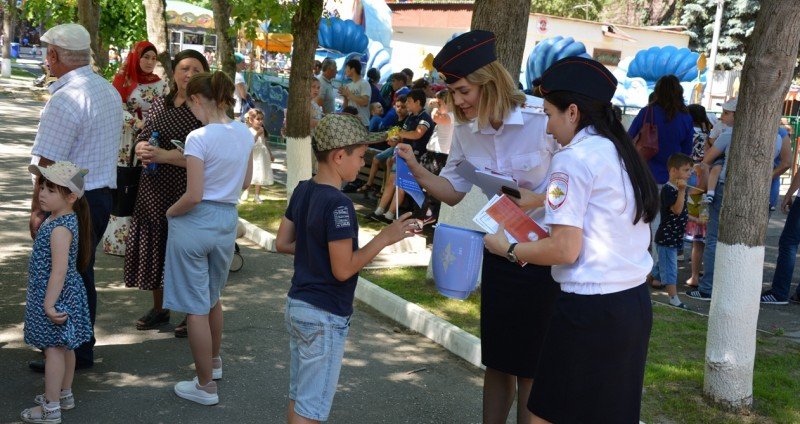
(57, 310)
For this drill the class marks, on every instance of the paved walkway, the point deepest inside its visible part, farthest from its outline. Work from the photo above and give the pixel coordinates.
(390, 375)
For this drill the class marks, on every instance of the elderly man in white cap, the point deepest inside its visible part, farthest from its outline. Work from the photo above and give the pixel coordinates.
(81, 123)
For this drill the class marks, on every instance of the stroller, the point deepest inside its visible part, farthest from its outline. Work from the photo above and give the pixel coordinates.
(238, 260)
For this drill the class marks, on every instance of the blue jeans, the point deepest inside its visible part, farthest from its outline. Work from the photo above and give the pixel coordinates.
(712, 231)
(100, 210)
(787, 251)
(666, 269)
(316, 348)
(774, 190)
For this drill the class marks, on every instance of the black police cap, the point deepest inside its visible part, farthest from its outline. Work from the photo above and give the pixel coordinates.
(465, 54)
(578, 75)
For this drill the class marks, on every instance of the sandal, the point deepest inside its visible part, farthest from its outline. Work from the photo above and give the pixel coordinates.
(181, 330)
(42, 416)
(153, 319)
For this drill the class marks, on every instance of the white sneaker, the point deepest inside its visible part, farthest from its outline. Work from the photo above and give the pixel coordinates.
(190, 390)
(244, 196)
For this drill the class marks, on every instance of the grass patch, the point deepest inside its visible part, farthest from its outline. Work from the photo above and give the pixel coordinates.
(17, 73)
(268, 214)
(674, 375)
(410, 284)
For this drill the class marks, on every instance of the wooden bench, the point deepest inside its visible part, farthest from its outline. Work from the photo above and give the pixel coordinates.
(363, 173)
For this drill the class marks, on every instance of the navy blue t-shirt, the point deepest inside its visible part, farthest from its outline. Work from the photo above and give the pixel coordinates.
(321, 214)
(672, 227)
(412, 122)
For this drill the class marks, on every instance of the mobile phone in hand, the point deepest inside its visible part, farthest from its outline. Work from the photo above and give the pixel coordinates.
(511, 192)
(179, 144)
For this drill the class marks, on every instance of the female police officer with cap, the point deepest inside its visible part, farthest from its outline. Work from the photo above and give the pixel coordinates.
(499, 127)
(600, 198)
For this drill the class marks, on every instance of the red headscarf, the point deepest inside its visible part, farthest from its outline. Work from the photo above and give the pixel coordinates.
(130, 74)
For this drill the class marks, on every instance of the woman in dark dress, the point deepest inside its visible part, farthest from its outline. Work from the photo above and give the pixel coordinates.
(146, 245)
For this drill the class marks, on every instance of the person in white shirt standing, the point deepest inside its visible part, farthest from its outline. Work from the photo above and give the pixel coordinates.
(357, 92)
(82, 124)
(202, 227)
(497, 126)
(600, 200)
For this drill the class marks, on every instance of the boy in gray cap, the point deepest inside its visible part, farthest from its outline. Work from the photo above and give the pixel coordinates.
(321, 230)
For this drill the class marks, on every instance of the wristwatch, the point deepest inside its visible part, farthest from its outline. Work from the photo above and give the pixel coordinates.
(510, 253)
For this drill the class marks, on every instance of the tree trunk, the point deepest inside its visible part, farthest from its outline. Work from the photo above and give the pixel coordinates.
(222, 19)
(731, 343)
(509, 27)
(89, 17)
(9, 21)
(155, 12)
(298, 120)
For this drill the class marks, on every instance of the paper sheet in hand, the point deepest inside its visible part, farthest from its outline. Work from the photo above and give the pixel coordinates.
(490, 181)
(519, 227)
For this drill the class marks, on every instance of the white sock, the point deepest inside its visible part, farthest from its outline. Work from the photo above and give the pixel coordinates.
(380, 211)
(710, 193)
(52, 406)
(389, 215)
(675, 300)
(66, 392)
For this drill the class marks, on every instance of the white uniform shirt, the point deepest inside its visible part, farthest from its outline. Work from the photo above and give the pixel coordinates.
(225, 152)
(82, 123)
(589, 189)
(520, 147)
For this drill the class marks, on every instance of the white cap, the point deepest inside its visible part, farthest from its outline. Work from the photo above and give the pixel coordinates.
(68, 36)
(65, 174)
(730, 105)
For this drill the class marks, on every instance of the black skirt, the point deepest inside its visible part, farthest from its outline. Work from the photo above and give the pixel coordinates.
(516, 305)
(592, 363)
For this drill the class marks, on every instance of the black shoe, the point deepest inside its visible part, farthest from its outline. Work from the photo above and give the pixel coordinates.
(153, 319)
(37, 365)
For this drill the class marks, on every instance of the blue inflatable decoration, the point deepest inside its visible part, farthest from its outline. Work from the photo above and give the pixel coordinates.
(547, 52)
(456, 258)
(655, 62)
(342, 36)
(379, 58)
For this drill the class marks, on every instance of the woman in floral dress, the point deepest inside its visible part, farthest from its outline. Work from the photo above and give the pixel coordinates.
(147, 242)
(139, 88)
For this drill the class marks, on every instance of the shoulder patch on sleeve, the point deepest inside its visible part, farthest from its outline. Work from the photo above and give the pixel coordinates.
(341, 217)
(557, 189)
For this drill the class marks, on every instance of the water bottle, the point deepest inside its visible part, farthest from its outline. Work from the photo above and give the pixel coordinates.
(153, 141)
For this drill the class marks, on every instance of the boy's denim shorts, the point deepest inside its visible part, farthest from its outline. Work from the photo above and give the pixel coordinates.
(316, 347)
(386, 154)
(666, 269)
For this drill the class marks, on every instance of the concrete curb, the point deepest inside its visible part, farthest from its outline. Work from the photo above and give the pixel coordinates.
(411, 315)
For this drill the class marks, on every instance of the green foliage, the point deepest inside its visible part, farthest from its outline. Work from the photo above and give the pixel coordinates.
(738, 19)
(122, 22)
(580, 9)
(247, 15)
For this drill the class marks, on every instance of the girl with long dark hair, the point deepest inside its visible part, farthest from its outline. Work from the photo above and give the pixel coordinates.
(600, 199)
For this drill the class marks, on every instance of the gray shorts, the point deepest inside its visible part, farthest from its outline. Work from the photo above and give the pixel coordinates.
(198, 258)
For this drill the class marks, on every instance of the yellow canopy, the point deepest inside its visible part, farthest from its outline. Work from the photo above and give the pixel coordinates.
(274, 42)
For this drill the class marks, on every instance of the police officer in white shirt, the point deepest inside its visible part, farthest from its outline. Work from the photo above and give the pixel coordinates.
(498, 127)
(600, 199)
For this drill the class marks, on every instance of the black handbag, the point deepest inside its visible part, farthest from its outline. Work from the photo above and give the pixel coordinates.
(127, 187)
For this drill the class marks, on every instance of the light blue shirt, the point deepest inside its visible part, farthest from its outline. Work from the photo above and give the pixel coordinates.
(82, 123)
